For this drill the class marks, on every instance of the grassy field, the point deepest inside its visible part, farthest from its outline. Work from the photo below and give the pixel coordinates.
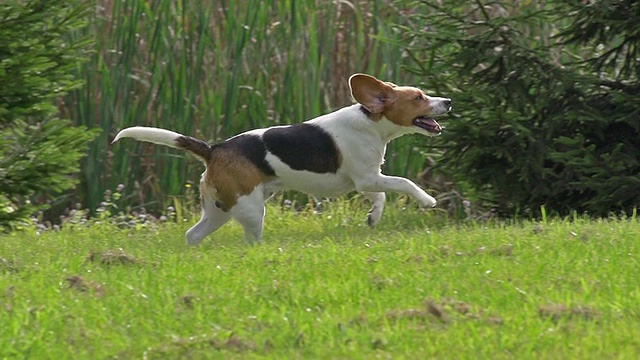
(325, 286)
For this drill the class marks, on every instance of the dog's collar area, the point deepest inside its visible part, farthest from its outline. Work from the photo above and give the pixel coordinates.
(365, 111)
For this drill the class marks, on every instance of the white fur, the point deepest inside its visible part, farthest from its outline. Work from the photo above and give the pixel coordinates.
(149, 134)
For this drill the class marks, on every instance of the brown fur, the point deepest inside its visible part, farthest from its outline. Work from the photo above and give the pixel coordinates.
(230, 176)
(410, 103)
(197, 147)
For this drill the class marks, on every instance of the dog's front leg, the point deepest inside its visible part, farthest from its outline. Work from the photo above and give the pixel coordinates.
(383, 183)
(377, 206)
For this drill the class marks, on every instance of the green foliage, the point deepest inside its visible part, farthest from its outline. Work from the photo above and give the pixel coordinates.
(545, 99)
(39, 152)
(324, 286)
(214, 69)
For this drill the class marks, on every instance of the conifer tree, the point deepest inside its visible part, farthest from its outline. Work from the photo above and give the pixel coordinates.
(546, 109)
(39, 151)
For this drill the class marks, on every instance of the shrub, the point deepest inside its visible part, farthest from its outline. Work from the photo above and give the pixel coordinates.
(39, 152)
(545, 99)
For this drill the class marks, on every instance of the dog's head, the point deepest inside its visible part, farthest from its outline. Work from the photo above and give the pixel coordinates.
(404, 106)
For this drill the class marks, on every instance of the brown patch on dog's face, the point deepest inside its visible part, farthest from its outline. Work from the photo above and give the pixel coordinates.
(411, 103)
(405, 106)
(229, 176)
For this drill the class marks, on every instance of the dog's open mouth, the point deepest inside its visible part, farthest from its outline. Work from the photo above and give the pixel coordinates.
(429, 124)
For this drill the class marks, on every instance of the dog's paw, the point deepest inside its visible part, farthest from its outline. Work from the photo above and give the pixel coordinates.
(375, 214)
(193, 238)
(193, 242)
(427, 201)
(373, 219)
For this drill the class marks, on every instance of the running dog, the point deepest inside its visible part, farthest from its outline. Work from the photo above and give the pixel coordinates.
(329, 155)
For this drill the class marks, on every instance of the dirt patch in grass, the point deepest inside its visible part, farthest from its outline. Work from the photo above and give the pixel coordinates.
(186, 303)
(6, 298)
(435, 310)
(494, 320)
(560, 311)
(114, 257)
(445, 251)
(444, 311)
(502, 250)
(410, 314)
(360, 320)
(233, 343)
(418, 259)
(198, 346)
(379, 343)
(8, 266)
(379, 282)
(76, 282)
(9, 292)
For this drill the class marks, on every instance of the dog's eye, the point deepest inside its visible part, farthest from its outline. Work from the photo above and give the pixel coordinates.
(420, 97)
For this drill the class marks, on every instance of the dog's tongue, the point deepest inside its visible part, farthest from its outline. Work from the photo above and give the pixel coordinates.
(434, 124)
(429, 124)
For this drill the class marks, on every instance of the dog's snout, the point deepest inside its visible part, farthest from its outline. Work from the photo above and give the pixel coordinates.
(447, 103)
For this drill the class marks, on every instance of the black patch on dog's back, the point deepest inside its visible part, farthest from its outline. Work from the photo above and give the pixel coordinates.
(304, 147)
(251, 147)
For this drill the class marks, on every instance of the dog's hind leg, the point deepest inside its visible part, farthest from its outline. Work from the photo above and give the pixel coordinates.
(212, 218)
(249, 212)
(377, 206)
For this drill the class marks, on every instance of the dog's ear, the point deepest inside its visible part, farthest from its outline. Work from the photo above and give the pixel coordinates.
(372, 93)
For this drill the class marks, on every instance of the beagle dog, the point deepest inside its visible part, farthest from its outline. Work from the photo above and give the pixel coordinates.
(329, 155)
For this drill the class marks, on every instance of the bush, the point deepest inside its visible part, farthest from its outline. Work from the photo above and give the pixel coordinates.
(545, 100)
(39, 152)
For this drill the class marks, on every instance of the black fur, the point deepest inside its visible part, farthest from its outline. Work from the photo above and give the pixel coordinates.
(304, 147)
(251, 147)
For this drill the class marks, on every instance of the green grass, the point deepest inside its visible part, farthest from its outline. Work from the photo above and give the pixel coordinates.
(325, 286)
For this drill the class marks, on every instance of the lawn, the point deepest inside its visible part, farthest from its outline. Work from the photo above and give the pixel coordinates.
(325, 286)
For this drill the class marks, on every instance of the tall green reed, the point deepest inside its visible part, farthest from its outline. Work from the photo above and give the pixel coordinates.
(212, 69)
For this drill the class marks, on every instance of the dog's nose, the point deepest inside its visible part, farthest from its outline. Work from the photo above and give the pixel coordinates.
(447, 103)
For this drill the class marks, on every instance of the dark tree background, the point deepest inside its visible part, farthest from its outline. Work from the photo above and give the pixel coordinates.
(546, 100)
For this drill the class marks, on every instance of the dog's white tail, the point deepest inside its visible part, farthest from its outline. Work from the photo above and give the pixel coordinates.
(167, 138)
(150, 134)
